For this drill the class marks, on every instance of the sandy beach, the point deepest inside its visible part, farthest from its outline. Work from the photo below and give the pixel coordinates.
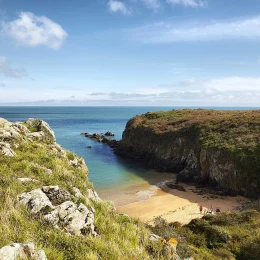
(174, 205)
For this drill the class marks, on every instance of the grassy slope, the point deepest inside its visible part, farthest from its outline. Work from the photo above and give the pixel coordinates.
(226, 236)
(120, 238)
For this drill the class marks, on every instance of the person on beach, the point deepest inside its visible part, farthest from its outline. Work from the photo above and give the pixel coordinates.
(201, 208)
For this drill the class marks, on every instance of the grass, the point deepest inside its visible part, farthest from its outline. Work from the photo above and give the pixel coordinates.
(119, 237)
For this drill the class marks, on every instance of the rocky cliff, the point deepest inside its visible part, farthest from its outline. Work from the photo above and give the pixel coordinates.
(220, 148)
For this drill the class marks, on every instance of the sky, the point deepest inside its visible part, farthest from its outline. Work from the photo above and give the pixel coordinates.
(130, 52)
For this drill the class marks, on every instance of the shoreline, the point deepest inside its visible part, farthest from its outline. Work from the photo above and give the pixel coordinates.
(175, 205)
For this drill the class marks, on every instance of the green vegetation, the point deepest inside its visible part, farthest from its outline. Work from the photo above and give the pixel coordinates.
(119, 237)
(225, 236)
(224, 142)
(232, 130)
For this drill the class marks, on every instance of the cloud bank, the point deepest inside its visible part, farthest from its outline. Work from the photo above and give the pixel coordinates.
(231, 91)
(169, 32)
(31, 30)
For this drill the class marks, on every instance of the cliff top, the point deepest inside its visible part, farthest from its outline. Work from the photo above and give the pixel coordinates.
(231, 129)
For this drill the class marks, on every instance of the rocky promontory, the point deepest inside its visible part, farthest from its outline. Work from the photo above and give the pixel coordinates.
(49, 209)
(220, 148)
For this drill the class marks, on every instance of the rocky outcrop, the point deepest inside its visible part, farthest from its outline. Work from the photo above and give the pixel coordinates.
(13, 134)
(103, 138)
(21, 251)
(56, 207)
(108, 133)
(218, 148)
(43, 129)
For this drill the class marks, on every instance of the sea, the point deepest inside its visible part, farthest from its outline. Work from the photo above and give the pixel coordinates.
(117, 179)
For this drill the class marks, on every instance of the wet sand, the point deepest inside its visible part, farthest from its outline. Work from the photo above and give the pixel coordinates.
(174, 205)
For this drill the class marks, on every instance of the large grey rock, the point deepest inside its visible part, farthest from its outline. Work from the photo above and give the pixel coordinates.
(42, 126)
(76, 220)
(21, 251)
(37, 201)
(50, 202)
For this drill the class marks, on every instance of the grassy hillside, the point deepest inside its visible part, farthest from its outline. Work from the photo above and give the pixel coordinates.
(119, 237)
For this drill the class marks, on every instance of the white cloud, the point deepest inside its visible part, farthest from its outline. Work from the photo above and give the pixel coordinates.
(8, 71)
(2, 85)
(32, 30)
(118, 6)
(188, 3)
(167, 32)
(153, 4)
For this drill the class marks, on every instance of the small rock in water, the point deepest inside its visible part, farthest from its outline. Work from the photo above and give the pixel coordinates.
(109, 134)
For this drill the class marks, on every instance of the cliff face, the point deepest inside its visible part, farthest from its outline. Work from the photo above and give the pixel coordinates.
(220, 148)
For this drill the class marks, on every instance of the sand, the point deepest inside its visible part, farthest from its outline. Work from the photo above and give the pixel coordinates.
(174, 205)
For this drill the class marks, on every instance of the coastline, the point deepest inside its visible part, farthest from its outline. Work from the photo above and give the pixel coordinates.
(174, 205)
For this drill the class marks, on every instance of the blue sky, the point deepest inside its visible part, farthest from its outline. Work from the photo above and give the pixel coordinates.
(131, 52)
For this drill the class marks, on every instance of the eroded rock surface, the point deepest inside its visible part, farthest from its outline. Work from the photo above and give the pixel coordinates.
(55, 206)
(21, 251)
(43, 128)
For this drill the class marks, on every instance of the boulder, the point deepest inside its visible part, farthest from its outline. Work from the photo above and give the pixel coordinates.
(21, 251)
(55, 207)
(42, 126)
(37, 201)
(76, 220)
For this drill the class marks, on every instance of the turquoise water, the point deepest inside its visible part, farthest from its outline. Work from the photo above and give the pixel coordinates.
(106, 170)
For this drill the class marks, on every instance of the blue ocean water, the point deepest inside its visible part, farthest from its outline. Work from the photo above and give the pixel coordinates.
(106, 170)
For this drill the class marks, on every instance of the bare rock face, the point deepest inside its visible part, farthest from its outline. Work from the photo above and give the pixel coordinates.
(42, 126)
(55, 194)
(76, 220)
(37, 201)
(21, 251)
(56, 208)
